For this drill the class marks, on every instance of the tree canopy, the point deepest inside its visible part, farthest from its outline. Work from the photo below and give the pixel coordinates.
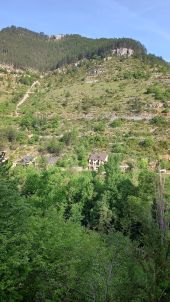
(82, 237)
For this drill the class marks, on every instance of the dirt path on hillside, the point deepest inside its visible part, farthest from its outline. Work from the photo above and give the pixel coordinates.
(25, 97)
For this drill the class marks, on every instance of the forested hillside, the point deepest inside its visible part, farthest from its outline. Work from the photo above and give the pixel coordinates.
(26, 49)
(71, 233)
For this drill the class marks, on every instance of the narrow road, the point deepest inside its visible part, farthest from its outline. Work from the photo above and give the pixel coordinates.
(25, 97)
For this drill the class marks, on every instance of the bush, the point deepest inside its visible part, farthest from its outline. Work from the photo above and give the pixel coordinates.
(3, 70)
(26, 80)
(137, 74)
(147, 143)
(31, 122)
(158, 121)
(54, 147)
(67, 94)
(136, 105)
(22, 137)
(119, 148)
(141, 74)
(82, 155)
(159, 93)
(165, 164)
(116, 123)
(17, 96)
(69, 138)
(166, 110)
(11, 134)
(100, 127)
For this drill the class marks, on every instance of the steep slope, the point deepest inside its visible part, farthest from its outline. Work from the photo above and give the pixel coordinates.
(114, 104)
(26, 49)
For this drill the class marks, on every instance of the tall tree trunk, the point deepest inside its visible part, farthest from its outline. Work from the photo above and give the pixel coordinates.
(160, 206)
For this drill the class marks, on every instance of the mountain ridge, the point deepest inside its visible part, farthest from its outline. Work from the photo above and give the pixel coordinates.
(24, 48)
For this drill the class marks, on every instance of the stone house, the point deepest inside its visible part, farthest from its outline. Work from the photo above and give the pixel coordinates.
(96, 160)
(28, 160)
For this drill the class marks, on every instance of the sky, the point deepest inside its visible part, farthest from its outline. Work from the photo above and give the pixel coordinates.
(145, 20)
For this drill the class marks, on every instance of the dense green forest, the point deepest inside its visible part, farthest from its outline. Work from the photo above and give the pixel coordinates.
(84, 237)
(26, 49)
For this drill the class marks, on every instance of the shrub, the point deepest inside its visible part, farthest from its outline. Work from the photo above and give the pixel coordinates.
(26, 80)
(116, 123)
(69, 138)
(67, 94)
(147, 143)
(17, 96)
(159, 93)
(82, 155)
(100, 127)
(32, 122)
(54, 147)
(137, 74)
(136, 105)
(11, 134)
(158, 121)
(165, 164)
(119, 148)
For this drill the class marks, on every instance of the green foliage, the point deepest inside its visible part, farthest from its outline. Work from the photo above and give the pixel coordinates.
(49, 253)
(160, 93)
(136, 74)
(116, 123)
(82, 155)
(17, 96)
(159, 121)
(29, 121)
(70, 137)
(100, 127)
(27, 80)
(165, 164)
(11, 134)
(137, 105)
(8, 134)
(68, 234)
(54, 147)
(147, 143)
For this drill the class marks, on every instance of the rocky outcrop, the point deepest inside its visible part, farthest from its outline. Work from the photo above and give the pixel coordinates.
(124, 52)
(56, 37)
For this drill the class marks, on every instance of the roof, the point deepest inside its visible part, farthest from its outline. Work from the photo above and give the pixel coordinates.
(2, 151)
(99, 156)
(52, 160)
(124, 166)
(28, 159)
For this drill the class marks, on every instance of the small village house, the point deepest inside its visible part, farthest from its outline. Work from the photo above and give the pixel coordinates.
(3, 158)
(52, 160)
(96, 160)
(162, 171)
(28, 160)
(124, 167)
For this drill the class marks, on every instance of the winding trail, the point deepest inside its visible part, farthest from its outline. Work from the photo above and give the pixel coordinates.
(25, 97)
